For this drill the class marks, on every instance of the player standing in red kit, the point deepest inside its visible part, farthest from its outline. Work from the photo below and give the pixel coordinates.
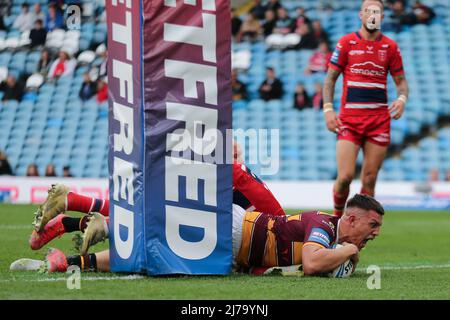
(364, 57)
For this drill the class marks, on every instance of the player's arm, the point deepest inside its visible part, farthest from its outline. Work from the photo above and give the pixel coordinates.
(319, 260)
(398, 106)
(331, 119)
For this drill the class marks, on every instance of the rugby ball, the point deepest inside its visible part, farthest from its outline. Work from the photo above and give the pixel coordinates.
(345, 270)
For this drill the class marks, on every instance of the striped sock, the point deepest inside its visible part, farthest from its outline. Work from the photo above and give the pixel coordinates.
(339, 201)
(77, 202)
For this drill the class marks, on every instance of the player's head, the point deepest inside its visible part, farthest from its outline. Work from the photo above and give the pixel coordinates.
(372, 14)
(362, 220)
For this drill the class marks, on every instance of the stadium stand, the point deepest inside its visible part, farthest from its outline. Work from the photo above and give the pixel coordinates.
(52, 125)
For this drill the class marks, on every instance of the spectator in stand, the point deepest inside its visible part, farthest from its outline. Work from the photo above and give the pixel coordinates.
(258, 9)
(54, 18)
(284, 24)
(32, 171)
(62, 66)
(88, 88)
(66, 172)
(273, 5)
(102, 91)
(44, 62)
(236, 22)
(250, 29)
(5, 167)
(38, 14)
(50, 171)
(399, 17)
(433, 175)
(318, 31)
(319, 60)
(269, 23)
(301, 98)
(317, 100)
(390, 3)
(271, 88)
(38, 34)
(238, 88)
(2, 23)
(13, 90)
(308, 41)
(302, 19)
(24, 21)
(447, 175)
(423, 13)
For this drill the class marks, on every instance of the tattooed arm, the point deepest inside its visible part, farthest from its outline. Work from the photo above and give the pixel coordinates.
(331, 119)
(398, 106)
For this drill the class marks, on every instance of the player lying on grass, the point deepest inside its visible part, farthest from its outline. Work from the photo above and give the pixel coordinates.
(260, 241)
(249, 192)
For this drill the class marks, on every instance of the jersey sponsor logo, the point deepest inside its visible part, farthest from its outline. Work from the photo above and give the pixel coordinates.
(365, 64)
(320, 236)
(382, 55)
(367, 72)
(330, 224)
(356, 52)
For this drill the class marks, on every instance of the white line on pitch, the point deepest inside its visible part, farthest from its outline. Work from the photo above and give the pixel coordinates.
(130, 277)
(137, 277)
(16, 226)
(425, 266)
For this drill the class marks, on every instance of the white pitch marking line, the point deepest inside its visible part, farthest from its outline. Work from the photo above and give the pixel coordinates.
(16, 226)
(425, 266)
(137, 277)
(130, 277)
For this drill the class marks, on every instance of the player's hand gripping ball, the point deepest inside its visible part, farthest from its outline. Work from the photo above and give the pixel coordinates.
(345, 270)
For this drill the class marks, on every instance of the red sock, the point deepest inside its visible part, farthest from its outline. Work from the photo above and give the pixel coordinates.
(77, 202)
(339, 201)
(366, 192)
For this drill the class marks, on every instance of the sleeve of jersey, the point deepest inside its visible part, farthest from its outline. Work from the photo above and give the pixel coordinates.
(338, 60)
(396, 63)
(255, 191)
(317, 234)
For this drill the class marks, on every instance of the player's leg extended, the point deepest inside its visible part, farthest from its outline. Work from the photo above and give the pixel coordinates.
(247, 185)
(56, 228)
(60, 199)
(56, 261)
(374, 155)
(346, 155)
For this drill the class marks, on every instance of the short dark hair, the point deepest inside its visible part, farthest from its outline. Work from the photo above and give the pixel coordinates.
(365, 202)
(380, 1)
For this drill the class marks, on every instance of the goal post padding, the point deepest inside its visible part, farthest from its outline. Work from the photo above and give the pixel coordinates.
(170, 179)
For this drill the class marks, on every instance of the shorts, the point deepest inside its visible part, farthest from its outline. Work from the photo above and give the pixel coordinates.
(359, 129)
(238, 222)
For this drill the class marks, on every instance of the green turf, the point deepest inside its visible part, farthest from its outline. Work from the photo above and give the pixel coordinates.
(407, 239)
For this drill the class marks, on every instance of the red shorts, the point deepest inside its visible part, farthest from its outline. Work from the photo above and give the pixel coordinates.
(359, 129)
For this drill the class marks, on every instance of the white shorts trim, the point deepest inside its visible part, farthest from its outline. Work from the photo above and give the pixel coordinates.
(238, 221)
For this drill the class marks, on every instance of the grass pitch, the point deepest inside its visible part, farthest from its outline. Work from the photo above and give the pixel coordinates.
(413, 252)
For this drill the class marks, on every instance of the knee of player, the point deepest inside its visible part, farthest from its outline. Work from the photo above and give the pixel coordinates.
(346, 178)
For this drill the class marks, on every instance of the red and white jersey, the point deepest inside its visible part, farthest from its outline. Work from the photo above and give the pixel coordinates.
(365, 65)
